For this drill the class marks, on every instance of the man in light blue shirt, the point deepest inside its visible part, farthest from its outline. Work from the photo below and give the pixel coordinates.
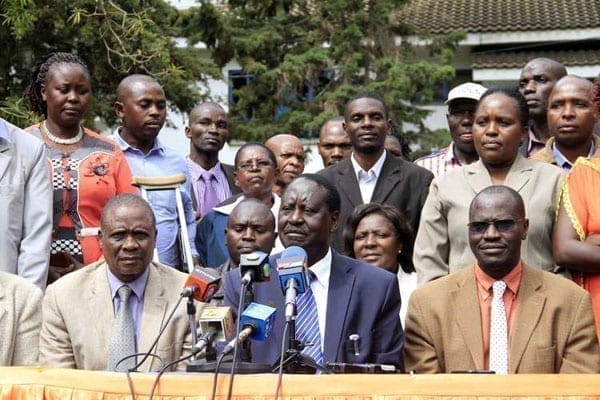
(142, 108)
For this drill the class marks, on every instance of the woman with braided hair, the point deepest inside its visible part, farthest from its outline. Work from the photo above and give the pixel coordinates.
(87, 169)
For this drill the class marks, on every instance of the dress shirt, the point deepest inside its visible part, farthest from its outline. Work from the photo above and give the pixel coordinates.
(199, 188)
(320, 289)
(484, 290)
(136, 301)
(534, 144)
(440, 162)
(367, 179)
(563, 162)
(163, 161)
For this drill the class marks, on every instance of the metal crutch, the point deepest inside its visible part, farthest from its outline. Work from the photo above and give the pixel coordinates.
(171, 182)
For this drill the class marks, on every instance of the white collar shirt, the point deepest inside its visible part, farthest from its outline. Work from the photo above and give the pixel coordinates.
(320, 289)
(367, 179)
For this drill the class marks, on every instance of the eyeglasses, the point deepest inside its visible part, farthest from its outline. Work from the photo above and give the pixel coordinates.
(501, 225)
(258, 164)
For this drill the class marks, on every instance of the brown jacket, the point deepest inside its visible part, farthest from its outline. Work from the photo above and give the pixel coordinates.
(553, 330)
(545, 155)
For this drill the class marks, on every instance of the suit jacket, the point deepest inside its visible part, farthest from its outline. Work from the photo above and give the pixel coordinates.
(362, 299)
(401, 184)
(546, 155)
(229, 170)
(78, 316)
(553, 331)
(26, 212)
(20, 320)
(442, 242)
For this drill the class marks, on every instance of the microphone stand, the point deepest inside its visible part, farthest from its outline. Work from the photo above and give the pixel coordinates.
(246, 346)
(191, 312)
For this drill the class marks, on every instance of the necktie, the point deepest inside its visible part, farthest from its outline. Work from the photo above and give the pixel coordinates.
(210, 192)
(498, 331)
(122, 338)
(307, 324)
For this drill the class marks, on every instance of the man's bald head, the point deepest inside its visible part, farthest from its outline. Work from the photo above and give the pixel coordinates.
(289, 152)
(131, 81)
(207, 104)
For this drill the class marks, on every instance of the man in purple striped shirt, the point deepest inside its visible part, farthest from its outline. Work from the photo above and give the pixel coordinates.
(212, 181)
(462, 102)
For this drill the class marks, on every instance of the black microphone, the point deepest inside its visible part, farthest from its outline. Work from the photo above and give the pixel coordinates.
(216, 323)
(254, 267)
(202, 284)
(257, 323)
(291, 267)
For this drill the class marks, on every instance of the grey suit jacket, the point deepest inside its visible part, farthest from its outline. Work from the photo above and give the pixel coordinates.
(442, 242)
(26, 211)
(401, 184)
(78, 315)
(20, 320)
(553, 330)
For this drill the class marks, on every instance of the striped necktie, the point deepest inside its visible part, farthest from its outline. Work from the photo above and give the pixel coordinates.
(307, 324)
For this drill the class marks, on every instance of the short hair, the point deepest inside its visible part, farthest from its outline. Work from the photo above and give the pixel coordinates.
(208, 104)
(514, 94)
(252, 200)
(128, 80)
(270, 154)
(127, 200)
(498, 190)
(40, 74)
(402, 229)
(332, 199)
(558, 68)
(366, 95)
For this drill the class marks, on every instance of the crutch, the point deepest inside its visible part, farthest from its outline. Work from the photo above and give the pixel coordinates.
(171, 182)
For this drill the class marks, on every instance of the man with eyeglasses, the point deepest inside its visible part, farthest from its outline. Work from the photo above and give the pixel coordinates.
(500, 314)
(255, 173)
(462, 102)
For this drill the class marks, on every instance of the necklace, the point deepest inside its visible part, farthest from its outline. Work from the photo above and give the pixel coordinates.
(59, 140)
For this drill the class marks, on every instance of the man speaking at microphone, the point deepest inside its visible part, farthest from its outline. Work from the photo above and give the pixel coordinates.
(355, 306)
(108, 310)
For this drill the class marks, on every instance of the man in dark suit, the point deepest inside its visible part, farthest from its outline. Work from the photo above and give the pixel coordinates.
(212, 181)
(372, 175)
(357, 305)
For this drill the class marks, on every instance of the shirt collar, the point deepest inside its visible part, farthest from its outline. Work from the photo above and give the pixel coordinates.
(138, 286)
(512, 279)
(322, 269)
(449, 156)
(376, 168)
(124, 146)
(562, 161)
(196, 170)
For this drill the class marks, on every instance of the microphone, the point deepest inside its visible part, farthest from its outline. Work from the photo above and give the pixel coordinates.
(257, 322)
(201, 284)
(217, 325)
(254, 267)
(291, 267)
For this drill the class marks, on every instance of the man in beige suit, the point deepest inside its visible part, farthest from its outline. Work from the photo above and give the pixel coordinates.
(20, 320)
(452, 323)
(82, 310)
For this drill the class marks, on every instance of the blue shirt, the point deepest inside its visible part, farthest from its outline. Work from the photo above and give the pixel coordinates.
(563, 162)
(136, 300)
(163, 161)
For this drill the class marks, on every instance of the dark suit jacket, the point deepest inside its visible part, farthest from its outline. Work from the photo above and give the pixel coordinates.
(228, 170)
(401, 184)
(362, 299)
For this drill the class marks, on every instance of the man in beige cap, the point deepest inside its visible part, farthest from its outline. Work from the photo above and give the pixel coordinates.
(462, 102)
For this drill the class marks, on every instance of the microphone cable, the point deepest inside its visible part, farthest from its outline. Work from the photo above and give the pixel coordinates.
(216, 376)
(281, 358)
(237, 342)
(164, 369)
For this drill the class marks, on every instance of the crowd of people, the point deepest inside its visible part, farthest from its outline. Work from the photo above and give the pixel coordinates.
(484, 255)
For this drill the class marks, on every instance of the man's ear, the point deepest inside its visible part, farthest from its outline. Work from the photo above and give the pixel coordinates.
(119, 109)
(100, 239)
(188, 132)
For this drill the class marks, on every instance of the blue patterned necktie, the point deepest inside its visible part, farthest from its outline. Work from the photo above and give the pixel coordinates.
(307, 324)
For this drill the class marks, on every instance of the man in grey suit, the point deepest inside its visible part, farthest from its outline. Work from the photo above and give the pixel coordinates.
(84, 324)
(371, 174)
(26, 212)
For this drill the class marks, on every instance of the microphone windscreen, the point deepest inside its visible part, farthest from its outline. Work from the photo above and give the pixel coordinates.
(261, 318)
(292, 265)
(220, 319)
(256, 262)
(206, 282)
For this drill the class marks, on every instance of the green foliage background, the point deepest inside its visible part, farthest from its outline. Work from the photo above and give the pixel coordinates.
(306, 57)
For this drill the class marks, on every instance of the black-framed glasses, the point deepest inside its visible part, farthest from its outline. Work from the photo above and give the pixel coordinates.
(258, 164)
(501, 225)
